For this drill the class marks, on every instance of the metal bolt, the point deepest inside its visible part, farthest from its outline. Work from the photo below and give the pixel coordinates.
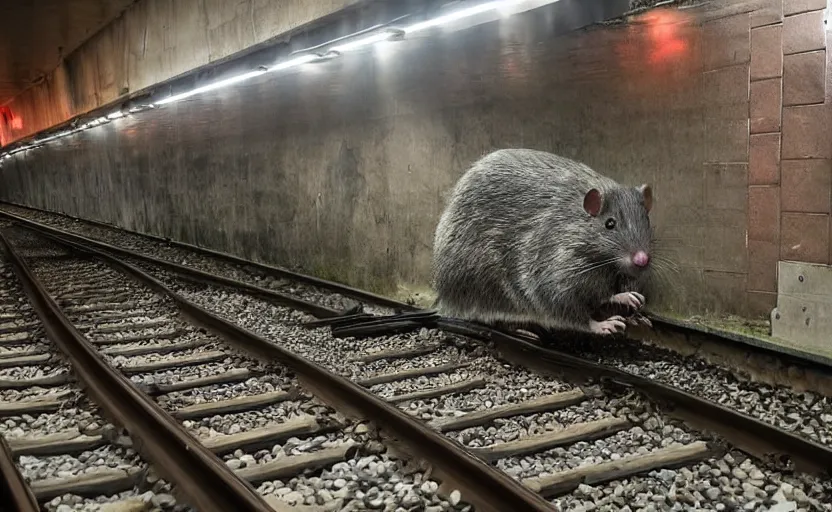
(803, 309)
(777, 316)
(800, 278)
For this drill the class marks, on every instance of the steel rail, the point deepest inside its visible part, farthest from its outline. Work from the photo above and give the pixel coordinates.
(206, 482)
(15, 494)
(745, 432)
(479, 484)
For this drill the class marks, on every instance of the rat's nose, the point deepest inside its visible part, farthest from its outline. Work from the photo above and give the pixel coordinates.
(641, 259)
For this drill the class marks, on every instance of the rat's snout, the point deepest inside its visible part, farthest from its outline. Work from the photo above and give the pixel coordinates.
(641, 259)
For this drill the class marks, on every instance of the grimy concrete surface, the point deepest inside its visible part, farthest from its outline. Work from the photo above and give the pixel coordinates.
(342, 169)
(152, 41)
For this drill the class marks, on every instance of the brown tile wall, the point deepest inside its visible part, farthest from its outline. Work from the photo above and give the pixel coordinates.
(790, 156)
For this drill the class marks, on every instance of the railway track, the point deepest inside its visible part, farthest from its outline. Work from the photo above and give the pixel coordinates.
(252, 415)
(70, 454)
(584, 446)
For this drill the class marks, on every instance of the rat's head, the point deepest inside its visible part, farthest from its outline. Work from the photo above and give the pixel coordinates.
(621, 226)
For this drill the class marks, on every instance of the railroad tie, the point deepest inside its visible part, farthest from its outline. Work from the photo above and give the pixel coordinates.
(571, 434)
(385, 378)
(152, 348)
(396, 354)
(27, 358)
(46, 381)
(165, 335)
(46, 403)
(67, 442)
(104, 481)
(288, 467)
(243, 403)
(262, 437)
(593, 474)
(542, 404)
(15, 338)
(231, 376)
(450, 389)
(174, 362)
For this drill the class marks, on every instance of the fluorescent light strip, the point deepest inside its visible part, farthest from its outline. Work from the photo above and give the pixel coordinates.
(210, 87)
(349, 46)
(364, 41)
(458, 15)
(297, 61)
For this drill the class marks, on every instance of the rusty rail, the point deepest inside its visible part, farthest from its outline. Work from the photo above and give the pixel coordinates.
(745, 432)
(480, 484)
(206, 482)
(15, 494)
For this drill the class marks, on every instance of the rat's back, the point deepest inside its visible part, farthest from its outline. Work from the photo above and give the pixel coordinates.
(484, 236)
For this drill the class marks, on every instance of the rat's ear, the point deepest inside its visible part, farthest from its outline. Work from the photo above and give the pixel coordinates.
(592, 202)
(647, 194)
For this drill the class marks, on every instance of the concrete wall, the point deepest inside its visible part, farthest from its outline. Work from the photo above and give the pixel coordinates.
(342, 169)
(152, 41)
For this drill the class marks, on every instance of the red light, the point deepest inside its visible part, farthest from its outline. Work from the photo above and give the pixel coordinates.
(665, 40)
(15, 122)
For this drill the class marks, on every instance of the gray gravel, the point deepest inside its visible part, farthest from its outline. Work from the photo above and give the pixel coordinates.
(66, 466)
(354, 496)
(31, 372)
(731, 482)
(371, 482)
(126, 501)
(83, 419)
(253, 386)
(32, 392)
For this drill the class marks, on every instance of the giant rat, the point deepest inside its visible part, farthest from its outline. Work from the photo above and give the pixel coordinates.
(533, 238)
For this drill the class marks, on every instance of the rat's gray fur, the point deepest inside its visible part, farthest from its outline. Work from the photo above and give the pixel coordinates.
(515, 245)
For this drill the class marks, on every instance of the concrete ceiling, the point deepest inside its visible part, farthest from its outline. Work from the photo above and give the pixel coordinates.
(36, 34)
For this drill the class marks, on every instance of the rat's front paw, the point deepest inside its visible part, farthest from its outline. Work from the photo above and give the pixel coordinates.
(611, 325)
(633, 300)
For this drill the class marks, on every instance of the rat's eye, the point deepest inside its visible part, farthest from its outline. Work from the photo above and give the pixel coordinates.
(610, 223)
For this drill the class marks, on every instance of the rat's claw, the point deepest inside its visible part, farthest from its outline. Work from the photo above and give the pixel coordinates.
(611, 325)
(644, 320)
(639, 319)
(618, 321)
(633, 300)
